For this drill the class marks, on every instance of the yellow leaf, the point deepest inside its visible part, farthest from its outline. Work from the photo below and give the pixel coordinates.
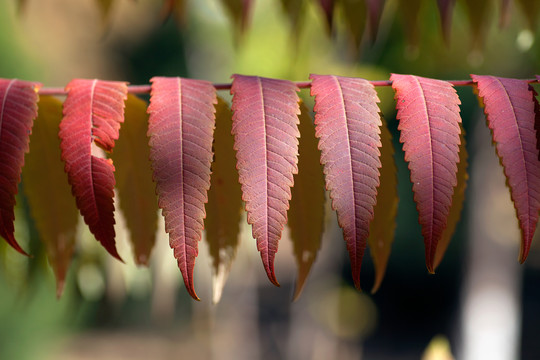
(457, 202)
(133, 174)
(306, 213)
(49, 195)
(383, 225)
(224, 208)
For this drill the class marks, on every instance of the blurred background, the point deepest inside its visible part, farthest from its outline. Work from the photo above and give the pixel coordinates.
(481, 304)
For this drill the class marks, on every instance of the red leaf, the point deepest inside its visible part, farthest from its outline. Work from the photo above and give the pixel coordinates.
(446, 7)
(428, 113)
(347, 123)
(18, 109)
(509, 109)
(93, 112)
(375, 9)
(537, 116)
(181, 129)
(265, 129)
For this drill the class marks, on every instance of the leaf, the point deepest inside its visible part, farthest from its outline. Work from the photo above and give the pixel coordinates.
(134, 180)
(428, 114)
(446, 8)
(537, 116)
(104, 7)
(509, 109)
(531, 10)
(375, 9)
(504, 17)
(328, 7)
(48, 192)
(240, 13)
(479, 15)
(347, 124)
(457, 201)
(181, 129)
(18, 108)
(176, 8)
(383, 226)
(265, 129)
(354, 12)
(224, 209)
(306, 215)
(409, 11)
(295, 10)
(93, 112)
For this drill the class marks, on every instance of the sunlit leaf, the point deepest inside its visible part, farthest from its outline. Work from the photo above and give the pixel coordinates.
(509, 109)
(306, 215)
(181, 129)
(265, 128)
(383, 225)
(134, 179)
(18, 108)
(428, 114)
(48, 192)
(457, 201)
(347, 123)
(93, 112)
(224, 208)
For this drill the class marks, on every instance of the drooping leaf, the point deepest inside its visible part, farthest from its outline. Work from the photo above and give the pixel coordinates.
(509, 109)
(104, 7)
(354, 12)
(48, 192)
(446, 8)
(295, 10)
(18, 108)
(504, 17)
(265, 129)
(375, 9)
(240, 13)
(537, 116)
(383, 226)
(175, 8)
(224, 209)
(306, 215)
(457, 201)
(133, 174)
(181, 129)
(531, 10)
(409, 11)
(428, 114)
(93, 112)
(479, 15)
(348, 124)
(327, 7)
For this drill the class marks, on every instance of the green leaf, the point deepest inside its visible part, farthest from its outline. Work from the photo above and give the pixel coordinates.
(306, 213)
(383, 225)
(133, 176)
(225, 207)
(48, 192)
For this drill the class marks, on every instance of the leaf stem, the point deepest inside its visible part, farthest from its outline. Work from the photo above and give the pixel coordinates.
(145, 89)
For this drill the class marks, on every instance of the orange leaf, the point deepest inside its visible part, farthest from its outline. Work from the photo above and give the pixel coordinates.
(48, 192)
(133, 175)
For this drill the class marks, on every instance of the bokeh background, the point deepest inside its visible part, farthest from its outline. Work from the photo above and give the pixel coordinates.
(481, 304)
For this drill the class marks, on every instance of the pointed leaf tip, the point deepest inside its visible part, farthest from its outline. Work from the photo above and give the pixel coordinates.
(93, 112)
(18, 109)
(224, 208)
(428, 114)
(383, 226)
(306, 215)
(509, 109)
(347, 123)
(182, 118)
(265, 129)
